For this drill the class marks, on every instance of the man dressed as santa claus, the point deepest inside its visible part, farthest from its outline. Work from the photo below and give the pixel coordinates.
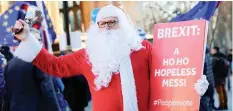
(116, 62)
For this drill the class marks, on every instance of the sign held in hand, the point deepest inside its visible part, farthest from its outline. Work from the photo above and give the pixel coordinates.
(177, 64)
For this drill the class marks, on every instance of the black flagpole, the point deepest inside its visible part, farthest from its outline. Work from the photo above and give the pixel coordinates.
(66, 19)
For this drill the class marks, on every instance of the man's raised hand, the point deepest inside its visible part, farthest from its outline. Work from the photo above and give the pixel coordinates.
(20, 24)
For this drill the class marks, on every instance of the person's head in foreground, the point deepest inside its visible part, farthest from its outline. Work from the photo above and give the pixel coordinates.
(230, 51)
(215, 50)
(109, 40)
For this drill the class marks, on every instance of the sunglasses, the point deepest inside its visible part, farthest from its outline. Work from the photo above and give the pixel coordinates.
(110, 24)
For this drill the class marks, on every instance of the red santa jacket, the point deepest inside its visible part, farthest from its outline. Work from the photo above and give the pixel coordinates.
(107, 99)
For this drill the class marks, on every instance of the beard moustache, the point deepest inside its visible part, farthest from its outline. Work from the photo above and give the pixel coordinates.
(105, 51)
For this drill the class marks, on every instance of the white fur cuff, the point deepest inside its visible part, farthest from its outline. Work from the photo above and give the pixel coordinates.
(28, 49)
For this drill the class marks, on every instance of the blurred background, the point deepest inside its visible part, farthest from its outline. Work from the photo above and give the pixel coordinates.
(71, 19)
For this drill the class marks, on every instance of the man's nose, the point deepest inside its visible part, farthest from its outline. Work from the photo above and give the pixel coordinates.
(106, 27)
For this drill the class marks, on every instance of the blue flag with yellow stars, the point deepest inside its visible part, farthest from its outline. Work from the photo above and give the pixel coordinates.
(8, 19)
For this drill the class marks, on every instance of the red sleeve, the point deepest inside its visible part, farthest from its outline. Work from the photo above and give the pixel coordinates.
(148, 47)
(63, 66)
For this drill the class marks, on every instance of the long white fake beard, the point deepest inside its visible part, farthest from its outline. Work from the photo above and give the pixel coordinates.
(106, 51)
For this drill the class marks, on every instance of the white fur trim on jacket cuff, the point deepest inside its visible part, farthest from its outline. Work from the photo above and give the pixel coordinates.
(28, 49)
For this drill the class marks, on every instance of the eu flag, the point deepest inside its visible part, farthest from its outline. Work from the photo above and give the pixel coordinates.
(7, 19)
(203, 10)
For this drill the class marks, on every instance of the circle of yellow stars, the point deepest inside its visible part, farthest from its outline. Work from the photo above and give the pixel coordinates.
(5, 16)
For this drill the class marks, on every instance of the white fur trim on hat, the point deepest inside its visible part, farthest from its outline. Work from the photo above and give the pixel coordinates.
(106, 11)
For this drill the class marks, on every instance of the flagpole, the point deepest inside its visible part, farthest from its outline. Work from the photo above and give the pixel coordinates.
(216, 25)
(45, 25)
(66, 18)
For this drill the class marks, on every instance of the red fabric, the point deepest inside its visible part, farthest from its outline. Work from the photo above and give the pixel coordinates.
(218, 4)
(25, 7)
(37, 26)
(110, 98)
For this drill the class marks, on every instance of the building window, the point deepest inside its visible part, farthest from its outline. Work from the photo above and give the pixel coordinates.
(74, 15)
